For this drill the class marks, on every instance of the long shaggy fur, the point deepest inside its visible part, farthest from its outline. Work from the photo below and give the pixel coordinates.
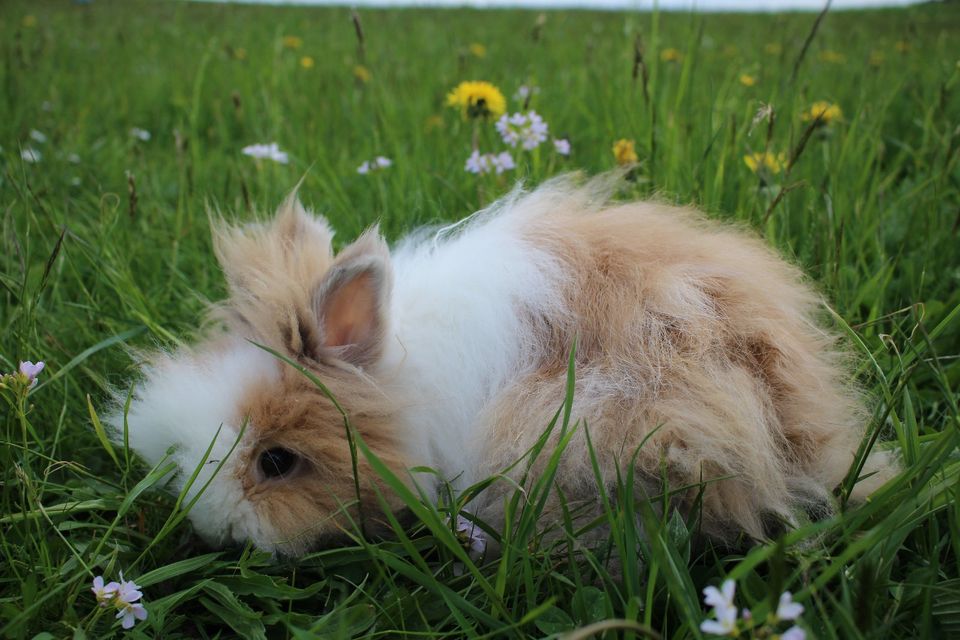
(694, 340)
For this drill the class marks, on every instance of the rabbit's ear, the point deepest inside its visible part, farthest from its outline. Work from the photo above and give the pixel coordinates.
(351, 304)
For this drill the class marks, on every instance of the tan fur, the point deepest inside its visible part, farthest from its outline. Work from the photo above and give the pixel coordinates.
(271, 271)
(320, 499)
(702, 335)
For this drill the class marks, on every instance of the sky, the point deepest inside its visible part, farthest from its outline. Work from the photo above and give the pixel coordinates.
(682, 5)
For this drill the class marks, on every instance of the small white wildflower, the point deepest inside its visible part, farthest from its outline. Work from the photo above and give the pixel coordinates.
(74, 158)
(31, 370)
(130, 613)
(128, 591)
(471, 537)
(524, 92)
(481, 163)
(140, 134)
(562, 146)
(526, 129)
(104, 592)
(794, 633)
(38, 136)
(477, 163)
(31, 155)
(787, 609)
(378, 163)
(502, 162)
(266, 151)
(75, 181)
(724, 610)
(720, 597)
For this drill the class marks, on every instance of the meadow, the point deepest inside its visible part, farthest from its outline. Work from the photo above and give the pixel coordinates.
(123, 123)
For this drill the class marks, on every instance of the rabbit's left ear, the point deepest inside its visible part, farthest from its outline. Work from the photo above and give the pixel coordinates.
(352, 302)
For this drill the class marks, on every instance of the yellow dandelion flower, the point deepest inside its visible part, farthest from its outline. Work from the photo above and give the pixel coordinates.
(747, 80)
(478, 50)
(239, 53)
(624, 151)
(29, 21)
(306, 62)
(477, 99)
(766, 162)
(361, 73)
(671, 55)
(902, 46)
(292, 42)
(773, 48)
(832, 57)
(825, 112)
(876, 59)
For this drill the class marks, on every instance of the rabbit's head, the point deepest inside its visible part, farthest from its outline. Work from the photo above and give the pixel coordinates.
(263, 445)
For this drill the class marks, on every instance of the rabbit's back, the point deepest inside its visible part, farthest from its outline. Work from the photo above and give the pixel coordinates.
(694, 340)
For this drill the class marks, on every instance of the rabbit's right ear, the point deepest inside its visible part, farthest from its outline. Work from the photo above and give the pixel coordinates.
(351, 304)
(272, 270)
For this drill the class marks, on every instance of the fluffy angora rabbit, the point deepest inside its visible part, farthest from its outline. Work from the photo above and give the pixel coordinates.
(451, 352)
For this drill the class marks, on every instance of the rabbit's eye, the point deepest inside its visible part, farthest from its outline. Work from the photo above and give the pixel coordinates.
(277, 462)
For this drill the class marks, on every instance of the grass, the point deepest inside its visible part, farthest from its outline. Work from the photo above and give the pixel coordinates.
(111, 247)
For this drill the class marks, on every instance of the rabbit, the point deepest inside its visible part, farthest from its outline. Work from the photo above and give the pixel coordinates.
(698, 351)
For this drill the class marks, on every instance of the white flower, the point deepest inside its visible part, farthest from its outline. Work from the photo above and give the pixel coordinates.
(477, 163)
(502, 162)
(471, 537)
(140, 134)
(130, 613)
(74, 158)
(487, 162)
(787, 609)
(378, 163)
(31, 155)
(524, 92)
(794, 633)
(38, 136)
(724, 610)
(104, 592)
(562, 146)
(527, 129)
(720, 597)
(128, 591)
(268, 151)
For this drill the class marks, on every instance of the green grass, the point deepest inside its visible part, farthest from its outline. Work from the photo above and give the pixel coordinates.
(870, 209)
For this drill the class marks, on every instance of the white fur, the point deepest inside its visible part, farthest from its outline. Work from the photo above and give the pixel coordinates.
(456, 338)
(181, 403)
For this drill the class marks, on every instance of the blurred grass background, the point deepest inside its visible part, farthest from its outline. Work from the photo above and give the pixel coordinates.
(105, 240)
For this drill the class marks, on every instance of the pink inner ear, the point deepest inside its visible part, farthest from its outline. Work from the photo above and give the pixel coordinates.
(350, 313)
